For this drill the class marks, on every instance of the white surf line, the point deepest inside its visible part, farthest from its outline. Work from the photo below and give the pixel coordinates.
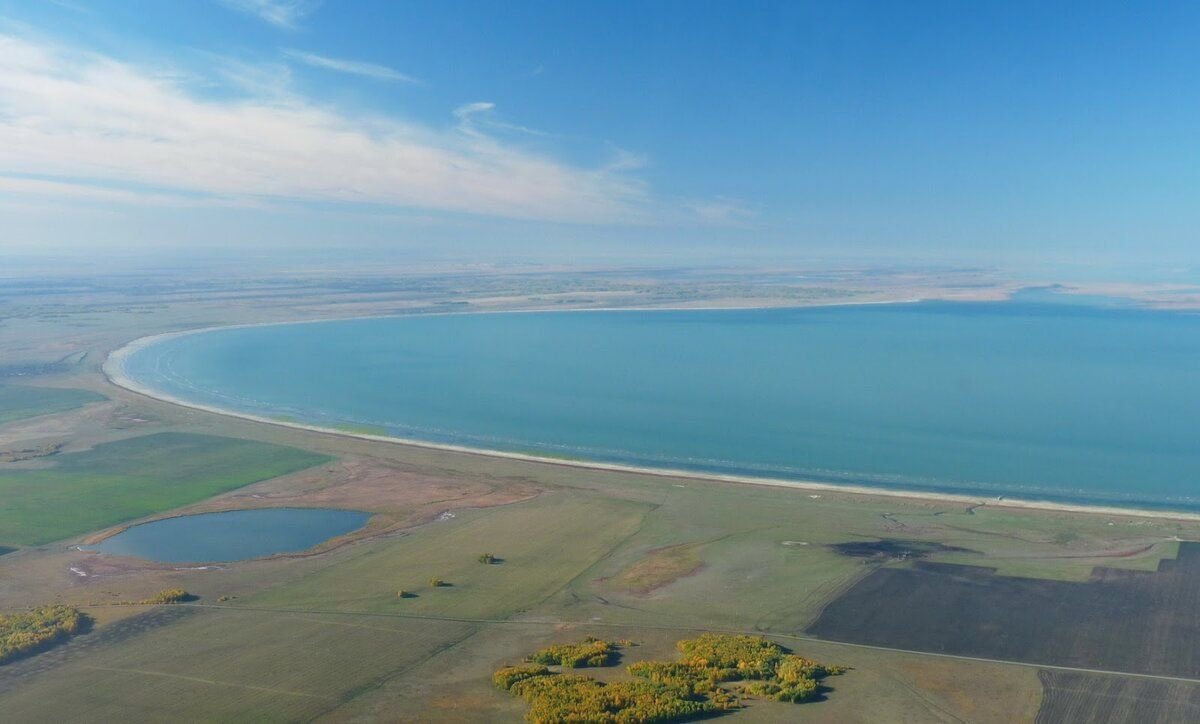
(113, 370)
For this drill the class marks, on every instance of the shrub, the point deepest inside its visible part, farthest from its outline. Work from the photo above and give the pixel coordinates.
(403, 594)
(487, 559)
(436, 582)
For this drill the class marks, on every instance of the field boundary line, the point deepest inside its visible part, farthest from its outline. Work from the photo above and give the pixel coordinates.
(214, 682)
(668, 627)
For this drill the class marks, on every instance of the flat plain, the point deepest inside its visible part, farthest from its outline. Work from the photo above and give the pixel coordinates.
(324, 635)
(18, 402)
(127, 479)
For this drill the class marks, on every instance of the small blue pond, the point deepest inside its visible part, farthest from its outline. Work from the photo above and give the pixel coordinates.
(234, 535)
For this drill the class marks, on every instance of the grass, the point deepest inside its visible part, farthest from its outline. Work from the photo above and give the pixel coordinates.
(129, 479)
(565, 552)
(18, 402)
(229, 666)
(536, 561)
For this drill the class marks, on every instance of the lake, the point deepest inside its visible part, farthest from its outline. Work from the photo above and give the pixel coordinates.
(233, 535)
(1022, 399)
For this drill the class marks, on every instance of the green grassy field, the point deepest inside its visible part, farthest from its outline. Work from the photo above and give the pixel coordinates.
(543, 545)
(326, 636)
(18, 402)
(128, 479)
(230, 666)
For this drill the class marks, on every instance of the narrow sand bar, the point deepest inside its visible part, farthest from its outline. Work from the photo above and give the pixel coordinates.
(113, 369)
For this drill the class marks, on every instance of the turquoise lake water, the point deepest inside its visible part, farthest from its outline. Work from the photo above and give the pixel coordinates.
(233, 535)
(1022, 399)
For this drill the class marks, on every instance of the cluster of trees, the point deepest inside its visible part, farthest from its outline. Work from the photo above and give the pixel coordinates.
(561, 698)
(505, 678)
(42, 451)
(591, 652)
(663, 691)
(171, 595)
(25, 633)
(771, 669)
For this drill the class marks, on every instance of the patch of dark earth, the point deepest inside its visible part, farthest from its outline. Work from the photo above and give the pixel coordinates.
(1142, 622)
(894, 549)
(1074, 697)
(15, 672)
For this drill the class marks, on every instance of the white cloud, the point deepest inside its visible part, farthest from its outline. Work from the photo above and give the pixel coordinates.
(625, 160)
(472, 109)
(353, 67)
(66, 116)
(721, 212)
(281, 13)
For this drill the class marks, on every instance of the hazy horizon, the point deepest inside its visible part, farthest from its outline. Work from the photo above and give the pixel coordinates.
(1015, 135)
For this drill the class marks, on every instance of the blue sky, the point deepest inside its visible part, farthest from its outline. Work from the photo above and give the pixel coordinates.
(668, 131)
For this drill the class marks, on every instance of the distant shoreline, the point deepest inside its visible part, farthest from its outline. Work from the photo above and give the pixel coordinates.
(113, 370)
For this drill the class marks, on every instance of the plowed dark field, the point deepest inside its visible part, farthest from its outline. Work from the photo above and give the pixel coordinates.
(1071, 697)
(1129, 621)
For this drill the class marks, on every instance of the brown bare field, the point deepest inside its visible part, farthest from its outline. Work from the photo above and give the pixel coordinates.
(660, 567)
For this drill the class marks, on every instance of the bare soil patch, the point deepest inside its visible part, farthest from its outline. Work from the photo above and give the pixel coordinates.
(1118, 620)
(376, 485)
(659, 568)
(1069, 697)
(894, 548)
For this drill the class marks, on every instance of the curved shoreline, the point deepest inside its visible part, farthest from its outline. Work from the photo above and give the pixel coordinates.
(113, 371)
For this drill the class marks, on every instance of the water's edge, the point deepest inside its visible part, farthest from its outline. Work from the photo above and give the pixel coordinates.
(113, 370)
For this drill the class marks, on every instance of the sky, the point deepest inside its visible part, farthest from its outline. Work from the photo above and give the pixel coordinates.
(664, 132)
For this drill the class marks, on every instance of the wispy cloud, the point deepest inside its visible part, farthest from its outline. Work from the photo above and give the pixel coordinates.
(353, 67)
(285, 14)
(721, 212)
(67, 115)
(471, 109)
